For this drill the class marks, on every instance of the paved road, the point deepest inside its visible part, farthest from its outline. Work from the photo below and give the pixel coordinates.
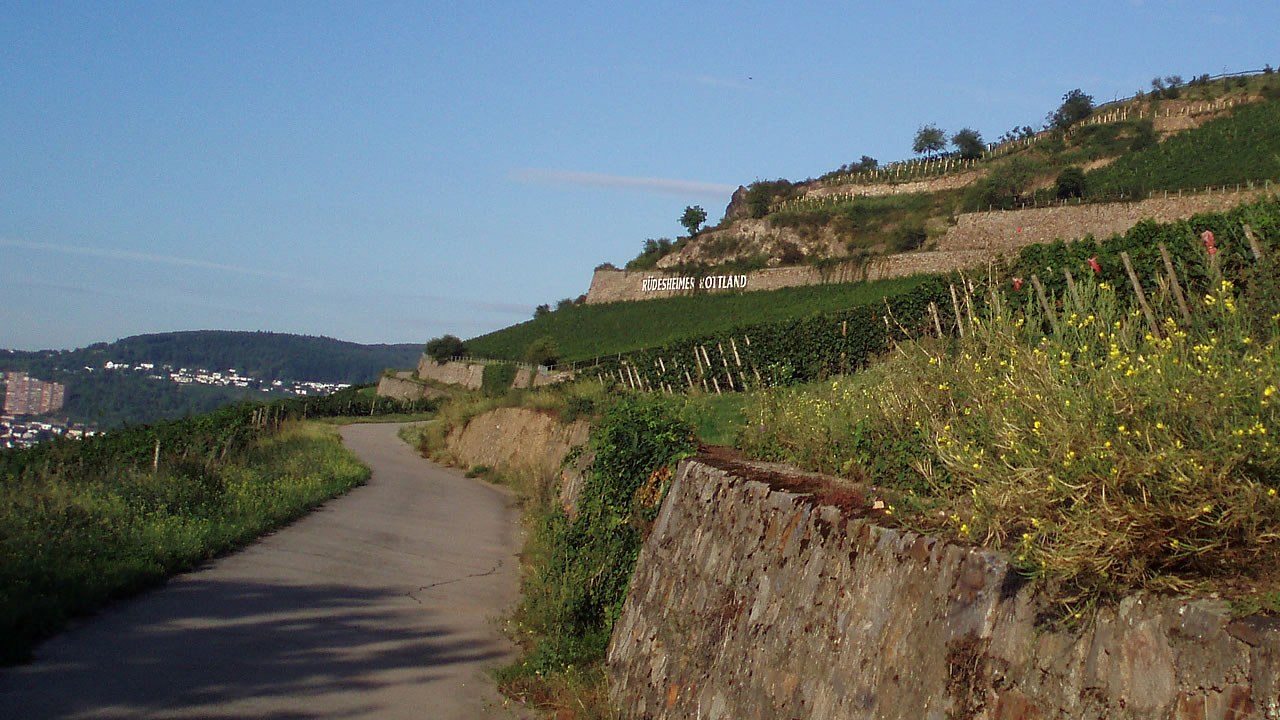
(381, 604)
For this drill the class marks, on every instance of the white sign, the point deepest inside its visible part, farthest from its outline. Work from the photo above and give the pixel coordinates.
(711, 282)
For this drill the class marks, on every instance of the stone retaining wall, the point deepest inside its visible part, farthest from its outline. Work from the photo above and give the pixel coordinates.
(470, 375)
(751, 602)
(621, 285)
(403, 387)
(1005, 232)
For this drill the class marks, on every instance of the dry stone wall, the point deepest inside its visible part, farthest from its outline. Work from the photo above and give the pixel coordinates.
(466, 374)
(470, 375)
(403, 387)
(621, 285)
(1005, 232)
(751, 602)
(952, 181)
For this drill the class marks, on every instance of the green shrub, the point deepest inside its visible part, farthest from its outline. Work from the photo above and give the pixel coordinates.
(444, 348)
(497, 378)
(1070, 183)
(908, 237)
(580, 567)
(543, 351)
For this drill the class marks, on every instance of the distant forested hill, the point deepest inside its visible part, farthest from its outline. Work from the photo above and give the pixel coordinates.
(263, 355)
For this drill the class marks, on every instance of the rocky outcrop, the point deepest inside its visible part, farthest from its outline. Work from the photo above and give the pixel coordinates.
(750, 601)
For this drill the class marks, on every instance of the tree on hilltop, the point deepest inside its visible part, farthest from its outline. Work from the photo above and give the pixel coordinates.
(968, 142)
(930, 140)
(1075, 107)
(693, 218)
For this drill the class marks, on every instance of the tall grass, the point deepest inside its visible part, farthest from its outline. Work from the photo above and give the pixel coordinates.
(71, 542)
(1102, 458)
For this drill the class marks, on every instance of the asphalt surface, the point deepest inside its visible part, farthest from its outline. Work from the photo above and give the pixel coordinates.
(384, 603)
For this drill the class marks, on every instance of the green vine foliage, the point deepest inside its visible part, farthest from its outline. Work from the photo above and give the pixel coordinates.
(497, 378)
(778, 353)
(588, 558)
(1182, 239)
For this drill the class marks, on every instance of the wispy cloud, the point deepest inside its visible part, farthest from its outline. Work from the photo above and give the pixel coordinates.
(667, 186)
(150, 258)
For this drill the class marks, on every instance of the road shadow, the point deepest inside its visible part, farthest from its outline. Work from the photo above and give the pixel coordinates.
(214, 648)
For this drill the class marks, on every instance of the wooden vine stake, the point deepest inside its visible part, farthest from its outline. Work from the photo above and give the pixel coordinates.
(1177, 286)
(1253, 241)
(1071, 287)
(955, 305)
(1044, 302)
(1142, 296)
(933, 312)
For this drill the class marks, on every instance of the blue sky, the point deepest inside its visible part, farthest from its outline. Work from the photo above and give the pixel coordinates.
(390, 172)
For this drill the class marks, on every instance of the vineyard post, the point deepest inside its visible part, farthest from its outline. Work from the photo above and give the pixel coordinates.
(933, 311)
(1177, 286)
(844, 333)
(736, 359)
(955, 305)
(968, 297)
(1142, 296)
(155, 459)
(1253, 241)
(716, 384)
(688, 379)
(1071, 287)
(1044, 302)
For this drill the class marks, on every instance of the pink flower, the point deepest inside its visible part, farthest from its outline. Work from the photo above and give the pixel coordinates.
(1017, 283)
(1207, 236)
(1093, 263)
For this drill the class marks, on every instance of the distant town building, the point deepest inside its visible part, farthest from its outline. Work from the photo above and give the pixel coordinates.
(28, 396)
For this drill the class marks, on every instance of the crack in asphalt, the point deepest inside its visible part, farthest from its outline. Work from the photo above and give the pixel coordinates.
(413, 593)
